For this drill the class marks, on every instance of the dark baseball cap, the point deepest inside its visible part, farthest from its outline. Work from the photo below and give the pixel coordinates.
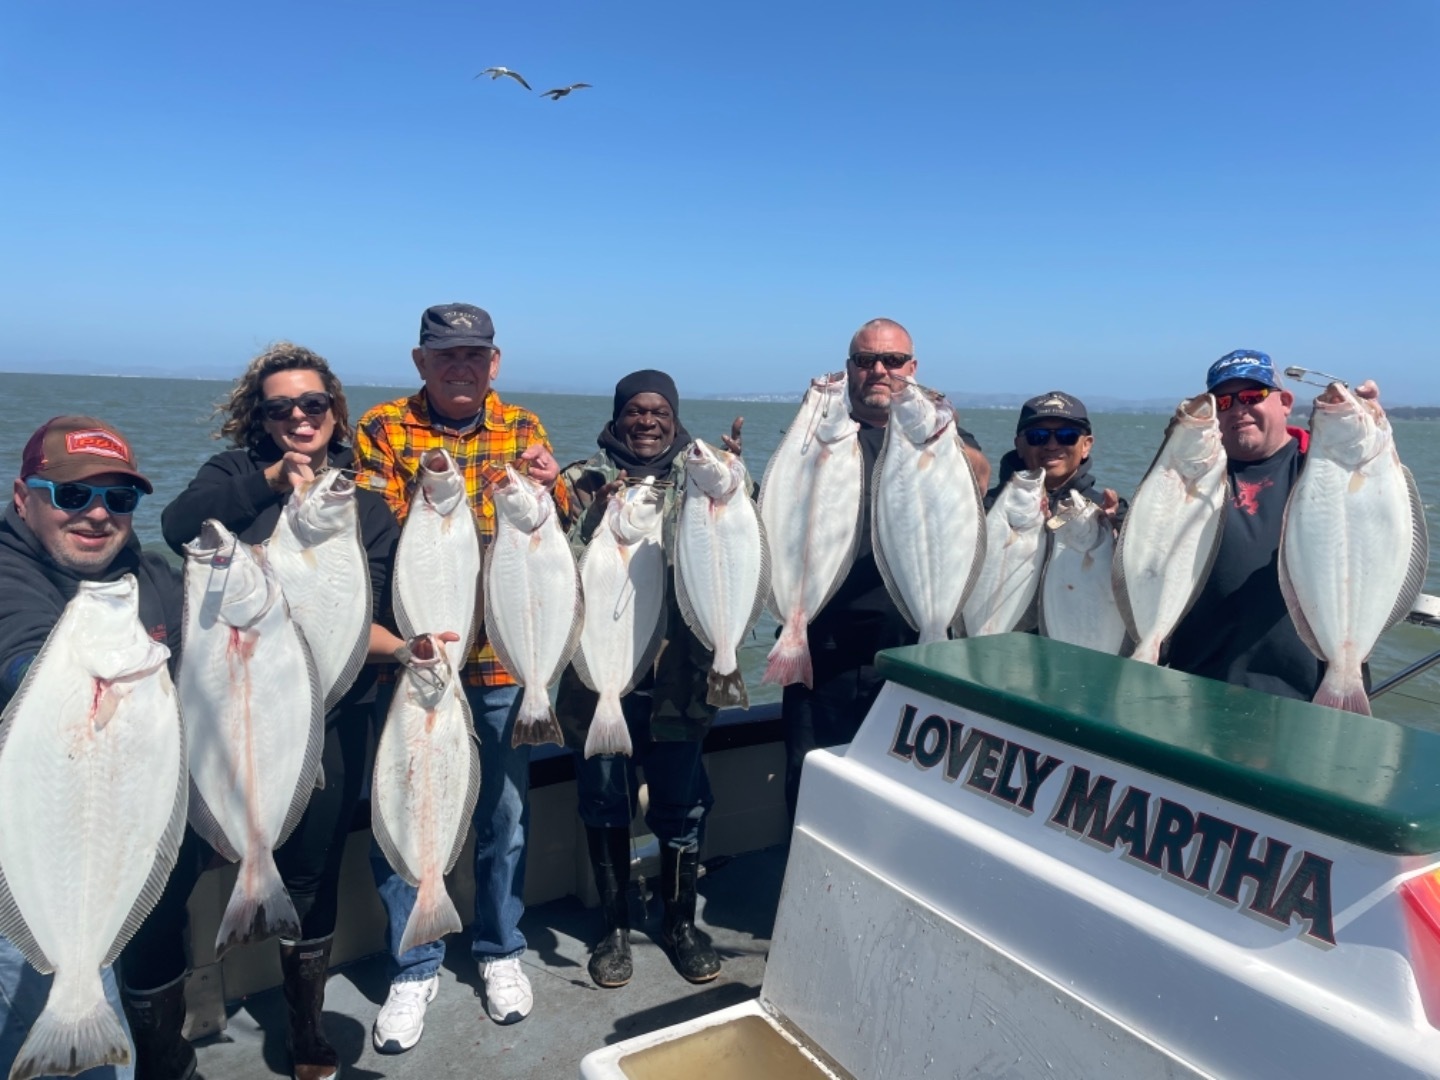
(69, 448)
(454, 326)
(1055, 405)
(1243, 364)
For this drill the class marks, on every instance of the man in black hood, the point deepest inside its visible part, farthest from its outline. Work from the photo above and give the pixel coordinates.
(71, 520)
(1054, 434)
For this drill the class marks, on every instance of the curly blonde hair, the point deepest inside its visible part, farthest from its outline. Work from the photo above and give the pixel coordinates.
(244, 426)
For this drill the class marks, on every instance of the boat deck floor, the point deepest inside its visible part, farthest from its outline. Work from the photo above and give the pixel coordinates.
(572, 1016)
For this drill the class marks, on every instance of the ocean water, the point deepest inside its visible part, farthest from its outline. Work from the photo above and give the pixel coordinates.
(172, 424)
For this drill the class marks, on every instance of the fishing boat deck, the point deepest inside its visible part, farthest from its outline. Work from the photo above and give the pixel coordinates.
(572, 1016)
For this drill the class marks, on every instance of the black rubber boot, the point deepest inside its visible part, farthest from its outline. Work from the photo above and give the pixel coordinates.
(694, 957)
(610, 963)
(156, 1019)
(305, 965)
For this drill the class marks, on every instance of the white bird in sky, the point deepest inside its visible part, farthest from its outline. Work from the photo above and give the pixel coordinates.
(497, 72)
(561, 91)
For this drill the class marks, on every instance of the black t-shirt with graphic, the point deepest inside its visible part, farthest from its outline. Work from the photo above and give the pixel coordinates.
(1239, 630)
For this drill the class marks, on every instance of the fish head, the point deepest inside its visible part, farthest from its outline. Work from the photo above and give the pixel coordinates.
(831, 408)
(324, 508)
(1077, 521)
(1192, 440)
(111, 642)
(918, 414)
(636, 512)
(428, 674)
(1347, 429)
(238, 586)
(714, 473)
(441, 486)
(522, 502)
(1023, 501)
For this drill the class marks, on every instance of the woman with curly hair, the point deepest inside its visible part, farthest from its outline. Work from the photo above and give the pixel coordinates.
(288, 422)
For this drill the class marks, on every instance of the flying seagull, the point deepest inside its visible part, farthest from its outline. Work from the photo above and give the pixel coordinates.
(561, 91)
(496, 72)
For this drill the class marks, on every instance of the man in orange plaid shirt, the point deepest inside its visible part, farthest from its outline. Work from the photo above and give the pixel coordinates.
(458, 411)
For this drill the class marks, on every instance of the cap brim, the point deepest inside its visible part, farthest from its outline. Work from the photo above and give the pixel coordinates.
(458, 343)
(1081, 420)
(65, 474)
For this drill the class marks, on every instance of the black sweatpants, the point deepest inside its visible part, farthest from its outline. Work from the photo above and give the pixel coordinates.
(309, 860)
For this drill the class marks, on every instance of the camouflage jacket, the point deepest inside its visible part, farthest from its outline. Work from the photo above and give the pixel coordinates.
(677, 683)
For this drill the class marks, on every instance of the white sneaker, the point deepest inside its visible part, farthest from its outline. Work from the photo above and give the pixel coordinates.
(508, 998)
(402, 1018)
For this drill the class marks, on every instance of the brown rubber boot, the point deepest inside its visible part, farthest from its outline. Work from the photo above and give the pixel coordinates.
(156, 1019)
(610, 963)
(305, 964)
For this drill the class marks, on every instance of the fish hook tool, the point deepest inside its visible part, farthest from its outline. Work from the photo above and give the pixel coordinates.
(406, 658)
(1314, 378)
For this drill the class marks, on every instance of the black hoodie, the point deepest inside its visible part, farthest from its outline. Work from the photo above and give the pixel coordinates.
(1082, 482)
(37, 590)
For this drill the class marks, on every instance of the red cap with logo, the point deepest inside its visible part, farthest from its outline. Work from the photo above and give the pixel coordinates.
(67, 448)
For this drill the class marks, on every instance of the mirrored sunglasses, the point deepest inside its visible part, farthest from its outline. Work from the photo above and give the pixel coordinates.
(1249, 398)
(1065, 436)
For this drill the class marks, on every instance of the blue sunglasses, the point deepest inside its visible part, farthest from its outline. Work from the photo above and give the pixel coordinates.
(73, 497)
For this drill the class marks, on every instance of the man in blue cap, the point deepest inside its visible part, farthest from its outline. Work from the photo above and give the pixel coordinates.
(1239, 630)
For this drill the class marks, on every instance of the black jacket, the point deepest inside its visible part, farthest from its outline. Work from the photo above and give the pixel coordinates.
(231, 488)
(1082, 482)
(37, 590)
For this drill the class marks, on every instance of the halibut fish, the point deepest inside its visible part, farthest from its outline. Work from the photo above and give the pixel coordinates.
(1354, 546)
(533, 605)
(1169, 539)
(722, 571)
(1015, 548)
(92, 764)
(426, 781)
(1077, 591)
(927, 513)
(318, 556)
(810, 504)
(255, 724)
(623, 575)
(437, 560)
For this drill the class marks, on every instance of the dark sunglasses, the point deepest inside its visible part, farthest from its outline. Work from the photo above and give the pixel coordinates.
(315, 403)
(74, 497)
(893, 361)
(1065, 436)
(1252, 397)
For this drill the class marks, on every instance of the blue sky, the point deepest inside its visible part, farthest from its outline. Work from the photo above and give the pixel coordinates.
(1102, 196)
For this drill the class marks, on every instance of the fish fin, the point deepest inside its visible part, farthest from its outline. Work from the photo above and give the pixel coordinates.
(982, 543)
(843, 570)
(306, 783)
(166, 853)
(1117, 584)
(1291, 597)
(577, 624)
(403, 622)
(608, 733)
(727, 690)
(207, 826)
(492, 621)
(472, 784)
(1419, 555)
(535, 723)
(14, 928)
(789, 661)
(64, 1046)
(687, 609)
(254, 914)
(762, 586)
(1339, 690)
(320, 777)
(646, 662)
(877, 547)
(432, 917)
(380, 830)
(356, 661)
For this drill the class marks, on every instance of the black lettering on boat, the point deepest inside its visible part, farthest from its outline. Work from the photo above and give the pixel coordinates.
(903, 747)
(1084, 809)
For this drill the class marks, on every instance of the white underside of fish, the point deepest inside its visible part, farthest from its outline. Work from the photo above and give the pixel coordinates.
(92, 767)
(437, 575)
(811, 508)
(426, 781)
(1003, 598)
(1077, 592)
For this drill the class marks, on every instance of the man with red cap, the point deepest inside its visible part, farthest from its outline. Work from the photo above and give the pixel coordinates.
(71, 520)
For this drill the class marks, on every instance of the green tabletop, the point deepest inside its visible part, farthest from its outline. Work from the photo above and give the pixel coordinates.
(1360, 779)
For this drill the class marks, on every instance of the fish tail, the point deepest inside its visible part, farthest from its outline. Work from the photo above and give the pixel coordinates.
(726, 690)
(259, 906)
(63, 1044)
(608, 733)
(1147, 652)
(535, 724)
(1343, 690)
(789, 660)
(433, 916)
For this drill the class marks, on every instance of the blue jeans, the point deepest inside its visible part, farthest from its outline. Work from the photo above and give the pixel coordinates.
(502, 822)
(679, 786)
(22, 996)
